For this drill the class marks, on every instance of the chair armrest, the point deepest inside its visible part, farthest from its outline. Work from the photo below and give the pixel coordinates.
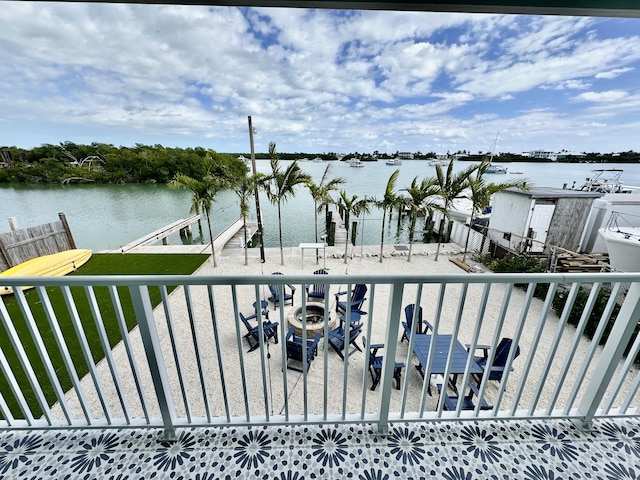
(316, 339)
(269, 325)
(290, 333)
(484, 348)
(293, 289)
(377, 345)
(337, 294)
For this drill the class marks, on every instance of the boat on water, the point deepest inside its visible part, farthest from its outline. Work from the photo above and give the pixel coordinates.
(623, 241)
(498, 169)
(354, 162)
(606, 180)
(394, 162)
(54, 265)
(317, 160)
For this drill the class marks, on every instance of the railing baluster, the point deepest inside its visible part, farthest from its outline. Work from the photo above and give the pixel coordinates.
(126, 341)
(554, 345)
(157, 366)
(426, 380)
(239, 337)
(593, 345)
(15, 389)
(414, 321)
(106, 347)
(535, 339)
(472, 347)
(524, 312)
(64, 351)
(389, 359)
(196, 351)
(265, 387)
(44, 355)
(345, 366)
(176, 353)
(86, 351)
(612, 352)
(216, 339)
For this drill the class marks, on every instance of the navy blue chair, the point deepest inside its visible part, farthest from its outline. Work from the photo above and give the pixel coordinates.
(317, 290)
(270, 330)
(422, 327)
(375, 365)
(287, 296)
(338, 340)
(497, 367)
(357, 299)
(296, 351)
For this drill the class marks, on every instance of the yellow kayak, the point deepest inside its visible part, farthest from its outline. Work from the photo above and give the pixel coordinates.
(55, 265)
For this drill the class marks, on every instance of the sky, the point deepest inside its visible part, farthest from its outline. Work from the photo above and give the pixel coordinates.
(317, 81)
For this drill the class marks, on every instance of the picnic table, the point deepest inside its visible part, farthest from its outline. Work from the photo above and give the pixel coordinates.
(440, 355)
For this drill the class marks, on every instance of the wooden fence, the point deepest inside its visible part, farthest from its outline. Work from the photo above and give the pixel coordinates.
(21, 245)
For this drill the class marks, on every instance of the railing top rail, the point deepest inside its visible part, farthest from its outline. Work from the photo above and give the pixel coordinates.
(462, 278)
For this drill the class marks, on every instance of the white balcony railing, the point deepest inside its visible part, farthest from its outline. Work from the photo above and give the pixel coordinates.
(82, 352)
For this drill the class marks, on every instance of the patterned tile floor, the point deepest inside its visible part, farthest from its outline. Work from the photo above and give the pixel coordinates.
(487, 450)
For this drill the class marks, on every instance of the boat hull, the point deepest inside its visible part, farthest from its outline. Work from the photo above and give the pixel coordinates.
(55, 265)
(623, 248)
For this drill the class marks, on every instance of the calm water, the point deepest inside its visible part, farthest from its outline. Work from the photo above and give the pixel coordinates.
(108, 216)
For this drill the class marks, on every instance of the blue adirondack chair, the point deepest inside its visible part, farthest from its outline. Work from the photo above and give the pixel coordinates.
(317, 290)
(270, 330)
(497, 367)
(375, 365)
(357, 299)
(338, 340)
(296, 351)
(422, 326)
(288, 292)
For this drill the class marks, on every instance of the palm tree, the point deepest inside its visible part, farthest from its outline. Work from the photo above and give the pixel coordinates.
(420, 200)
(351, 206)
(281, 184)
(245, 189)
(321, 193)
(204, 191)
(389, 201)
(450, 186)
(481, 193)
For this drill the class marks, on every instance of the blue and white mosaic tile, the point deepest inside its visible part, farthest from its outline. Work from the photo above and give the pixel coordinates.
(530, 450)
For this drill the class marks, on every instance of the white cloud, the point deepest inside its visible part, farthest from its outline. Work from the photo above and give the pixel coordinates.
(603, 97)
(616, 72)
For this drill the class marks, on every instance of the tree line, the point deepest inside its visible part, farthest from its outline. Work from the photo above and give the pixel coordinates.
(105, 163)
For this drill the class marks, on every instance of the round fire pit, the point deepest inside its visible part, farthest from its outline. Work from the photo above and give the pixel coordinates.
(315, 319)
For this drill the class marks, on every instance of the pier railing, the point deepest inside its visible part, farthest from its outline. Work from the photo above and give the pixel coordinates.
(81, 352)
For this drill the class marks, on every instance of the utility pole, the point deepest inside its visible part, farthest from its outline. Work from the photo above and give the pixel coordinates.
(256, 193)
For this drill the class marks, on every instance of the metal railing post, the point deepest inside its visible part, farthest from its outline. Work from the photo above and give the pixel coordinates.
(389, 362)
(157, 367)
(612, 352)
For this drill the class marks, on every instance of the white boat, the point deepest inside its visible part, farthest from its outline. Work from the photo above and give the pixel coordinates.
(623, 243)
(394, 162)
(499, 169)
(606, 180)
(354, 162)
(317, 160)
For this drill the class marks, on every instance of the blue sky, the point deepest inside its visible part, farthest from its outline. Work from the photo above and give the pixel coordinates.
(316, 80)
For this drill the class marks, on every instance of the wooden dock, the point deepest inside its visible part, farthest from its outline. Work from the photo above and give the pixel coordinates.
(162, 234)
(237, 241)
(341, 232)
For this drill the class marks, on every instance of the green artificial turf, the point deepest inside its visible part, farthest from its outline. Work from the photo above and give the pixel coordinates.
(99, 264)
